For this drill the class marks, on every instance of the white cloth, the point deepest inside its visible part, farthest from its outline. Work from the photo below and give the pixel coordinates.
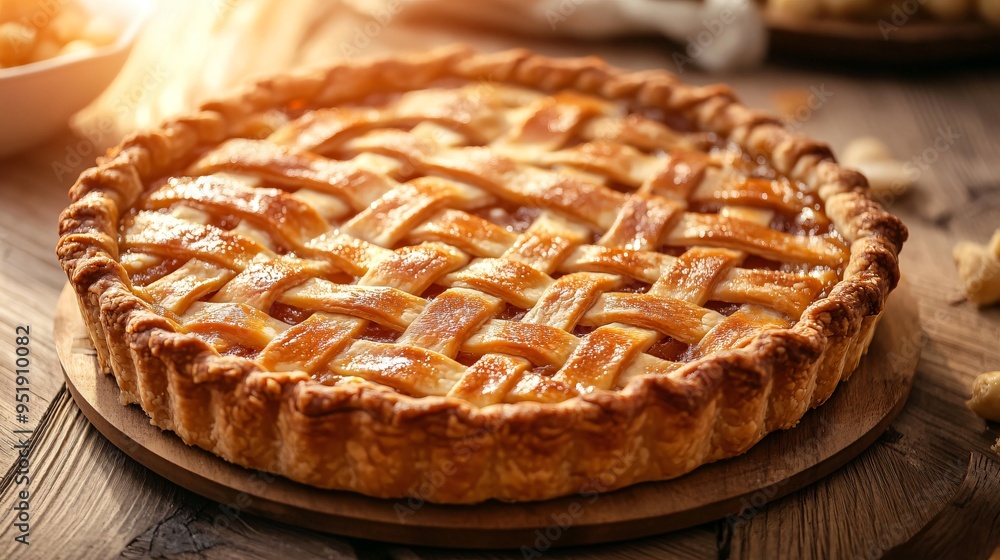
(716, 35)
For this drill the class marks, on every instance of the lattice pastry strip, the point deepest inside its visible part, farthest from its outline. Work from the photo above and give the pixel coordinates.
(192, 281)
(261, 283)
(449, 319)
(390, 218)
(546, 124)
(741, 235)
(471, 234)
(230, 326)
(287, 220)
(162, 234)
(358, 181)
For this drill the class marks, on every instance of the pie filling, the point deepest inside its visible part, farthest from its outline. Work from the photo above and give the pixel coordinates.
(480, 241)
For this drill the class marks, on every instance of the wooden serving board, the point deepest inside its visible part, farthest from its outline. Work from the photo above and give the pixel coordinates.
(915, 44)
(826, 439)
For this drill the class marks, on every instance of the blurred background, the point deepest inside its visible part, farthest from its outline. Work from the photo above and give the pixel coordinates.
(908, 91)
(56, 56)
(880, 80)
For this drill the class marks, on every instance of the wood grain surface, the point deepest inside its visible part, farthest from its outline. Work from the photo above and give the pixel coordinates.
(782, 463)
(89, 500)
(968, 514)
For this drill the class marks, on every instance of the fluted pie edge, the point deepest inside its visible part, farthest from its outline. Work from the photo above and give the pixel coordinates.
(367, 438)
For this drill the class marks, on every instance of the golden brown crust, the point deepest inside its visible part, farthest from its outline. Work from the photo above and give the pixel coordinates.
(370, 439)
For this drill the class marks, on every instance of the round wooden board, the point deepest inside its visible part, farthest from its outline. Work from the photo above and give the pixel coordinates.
(827, 438)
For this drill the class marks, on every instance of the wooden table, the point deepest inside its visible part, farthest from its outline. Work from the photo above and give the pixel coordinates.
(931, 482)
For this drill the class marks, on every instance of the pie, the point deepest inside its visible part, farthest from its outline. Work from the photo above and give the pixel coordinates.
(471, 276)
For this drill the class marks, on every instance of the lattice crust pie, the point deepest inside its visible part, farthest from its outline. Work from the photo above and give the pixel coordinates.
(508, 274)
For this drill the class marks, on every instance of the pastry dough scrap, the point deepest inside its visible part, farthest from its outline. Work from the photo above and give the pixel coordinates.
(979, 268)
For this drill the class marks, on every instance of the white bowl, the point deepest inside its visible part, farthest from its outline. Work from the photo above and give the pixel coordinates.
(37, 99)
